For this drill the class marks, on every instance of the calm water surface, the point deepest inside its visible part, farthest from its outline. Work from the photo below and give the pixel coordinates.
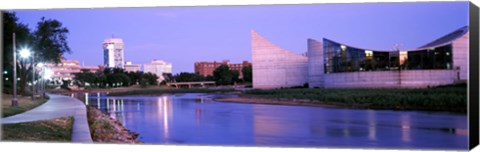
(196, 119)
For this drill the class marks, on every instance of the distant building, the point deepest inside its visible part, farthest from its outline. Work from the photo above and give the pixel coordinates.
(158, 67)
(207, 68)
(92, 69)
(65, 70)
(113, 53)
(129, 67)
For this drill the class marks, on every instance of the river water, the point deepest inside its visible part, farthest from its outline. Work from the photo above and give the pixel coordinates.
(196, 119)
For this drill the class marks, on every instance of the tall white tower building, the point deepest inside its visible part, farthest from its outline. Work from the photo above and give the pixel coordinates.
(113, 53)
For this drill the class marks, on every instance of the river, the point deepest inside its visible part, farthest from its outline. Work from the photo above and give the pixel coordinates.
(196, 119)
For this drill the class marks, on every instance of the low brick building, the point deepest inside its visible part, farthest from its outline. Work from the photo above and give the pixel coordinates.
(207, 68)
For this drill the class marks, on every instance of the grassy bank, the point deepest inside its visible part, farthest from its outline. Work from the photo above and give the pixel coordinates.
(159, 91)
(445, 98)
(25, 103)
(59, 129)
(107, 130)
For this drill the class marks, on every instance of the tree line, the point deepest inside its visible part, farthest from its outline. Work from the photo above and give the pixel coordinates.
(117, 77)
(113, 77)
(222, 75)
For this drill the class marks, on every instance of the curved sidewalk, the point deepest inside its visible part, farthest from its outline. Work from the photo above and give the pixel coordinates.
(58, 106)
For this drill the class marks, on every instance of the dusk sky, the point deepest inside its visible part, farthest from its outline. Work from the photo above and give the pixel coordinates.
(184, 35)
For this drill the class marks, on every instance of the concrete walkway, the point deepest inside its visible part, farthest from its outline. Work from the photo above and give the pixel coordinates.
(58, 106)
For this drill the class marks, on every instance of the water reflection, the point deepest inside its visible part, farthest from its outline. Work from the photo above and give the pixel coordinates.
(165, 110)
(371, 125)
(405, 120)
(196, 119)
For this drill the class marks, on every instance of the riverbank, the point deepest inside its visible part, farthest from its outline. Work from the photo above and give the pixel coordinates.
(107, 130)
(59, 129)
(259, 100)
(101, 90)
(25, 103)
(451, 98)
(160, 91)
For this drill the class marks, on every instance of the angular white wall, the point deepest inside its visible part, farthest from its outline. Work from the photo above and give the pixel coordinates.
(315, 63)
(390, 79)
(460, 49)
(275, 67)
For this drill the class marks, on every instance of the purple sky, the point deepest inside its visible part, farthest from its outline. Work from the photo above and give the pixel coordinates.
(183, 35)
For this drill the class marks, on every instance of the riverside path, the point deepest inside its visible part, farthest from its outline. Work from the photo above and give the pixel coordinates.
(58, 106)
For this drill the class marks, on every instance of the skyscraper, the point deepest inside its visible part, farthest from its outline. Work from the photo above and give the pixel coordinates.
(113, 53)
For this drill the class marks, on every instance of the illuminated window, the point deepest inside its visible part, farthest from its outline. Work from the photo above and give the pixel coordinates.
(368, 53)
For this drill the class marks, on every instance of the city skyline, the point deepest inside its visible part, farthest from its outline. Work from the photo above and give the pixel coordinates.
(219, 33)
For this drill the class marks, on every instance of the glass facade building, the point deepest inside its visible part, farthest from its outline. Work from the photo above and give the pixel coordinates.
(342, 58)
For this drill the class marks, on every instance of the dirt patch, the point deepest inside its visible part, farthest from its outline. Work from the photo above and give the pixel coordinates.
(107, 130)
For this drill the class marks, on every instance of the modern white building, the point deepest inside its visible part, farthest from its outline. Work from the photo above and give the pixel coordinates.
(130, 67)
(330, 64)
(113, 56)
(158, 67)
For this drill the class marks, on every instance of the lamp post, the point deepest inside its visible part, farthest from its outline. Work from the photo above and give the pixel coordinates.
(14, 99)
(25, 53)
(33, 76)
(42, 80)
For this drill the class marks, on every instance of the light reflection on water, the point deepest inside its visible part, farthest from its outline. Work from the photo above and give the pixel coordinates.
(196, 119)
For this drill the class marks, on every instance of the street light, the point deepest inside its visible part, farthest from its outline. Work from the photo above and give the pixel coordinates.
(14, 99)
(42, 84)
(25, 53)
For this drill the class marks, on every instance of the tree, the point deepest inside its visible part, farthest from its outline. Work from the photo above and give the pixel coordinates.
(84, 77)
(188, 77)
(23, 37)
(135, 77)
(235, 75)
(49, 43)
(223, 75)
(247, 73)
(168, 77)
(150, 78)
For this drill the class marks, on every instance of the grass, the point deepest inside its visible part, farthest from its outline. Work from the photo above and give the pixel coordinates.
(25, 103)
(59, 129)
(444, 98)
(159, 91)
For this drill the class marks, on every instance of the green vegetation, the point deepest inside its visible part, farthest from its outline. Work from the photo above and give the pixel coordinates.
(114, 77)
(221, 75)
(224, 76)
(59, 129)
(189, 77)
(24, 103)
(444, 98)
(159, 91)
(247, 74)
